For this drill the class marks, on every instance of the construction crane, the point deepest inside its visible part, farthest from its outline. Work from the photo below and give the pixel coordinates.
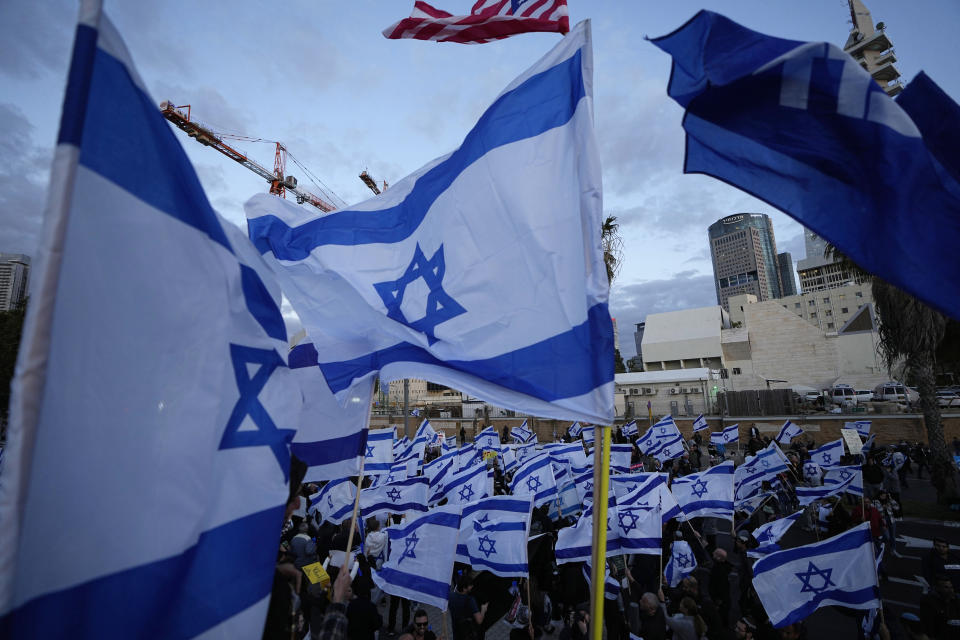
(370, 182)
(280, 182)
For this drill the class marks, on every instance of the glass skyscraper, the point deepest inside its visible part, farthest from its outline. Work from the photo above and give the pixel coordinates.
(744, 255)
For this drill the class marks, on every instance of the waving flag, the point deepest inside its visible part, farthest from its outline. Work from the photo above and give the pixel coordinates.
(664, 431)
(152, 381)
(487, 440)
(828, 455)
(646, 490)
(466, 485)
(788, 432)
(768, 462)
(669, 449)
(860, 152)
(334, 502)
(620, 455)
(438, 469)
(496, 540)
(861, 426)
(379, 451)
(728, 435)
(421, 557)
(806, 495)
(639, 529)
(794, 583)
(767, 535)
(572, 453)
(522, 433)
(750, 504)
(700, 423)
(568, 501)
(630, 429)
(535, 479)
(812, 472)
(587, 434)
(575, 544)
(400, 497)
(488, 21)
(394, 287)
(838, 475)
(449, 444)
(706, 494)
(575, 430)
(467, 456)
(682, 562)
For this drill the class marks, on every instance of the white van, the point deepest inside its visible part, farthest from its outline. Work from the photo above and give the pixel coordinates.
(894, 391)
(840, 393)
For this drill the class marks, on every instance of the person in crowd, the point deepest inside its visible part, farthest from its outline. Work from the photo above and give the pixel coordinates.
(653, 619)
(745, 629)
(872, 477)
(940, 610)
(912, 627)
(919, 455)
(687, 624)
(940, 560)
(420, 629)
(375, 545)
(888, 509)
(333, 626)
(719, 585)
(577, 623)
(364, 620)
(465, 613)
(891, 479)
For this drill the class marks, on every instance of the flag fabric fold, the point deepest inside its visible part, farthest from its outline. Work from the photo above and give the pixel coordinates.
(700, 423)
(379, 453)
(404, 496)
(682, 562)
(334, 501)
(726, 436)
(828, 455)
(788, 432)
(497, 538)
(535, 478)
(707, 493)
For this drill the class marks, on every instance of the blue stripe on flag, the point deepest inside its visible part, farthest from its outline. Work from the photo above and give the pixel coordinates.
(510, 119)
(853, 539)
(177, 597)
(415, 582)
(526, 365)
(332, 450)
(78, 86)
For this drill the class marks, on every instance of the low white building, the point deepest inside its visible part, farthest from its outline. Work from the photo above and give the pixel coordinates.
(679, 392)
(688, 339)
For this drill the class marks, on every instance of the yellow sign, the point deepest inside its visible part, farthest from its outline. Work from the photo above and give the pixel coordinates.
(316, 574)
(489, 455)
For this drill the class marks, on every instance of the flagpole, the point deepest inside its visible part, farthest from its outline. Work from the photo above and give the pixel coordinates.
(353, 518)
(601, 482)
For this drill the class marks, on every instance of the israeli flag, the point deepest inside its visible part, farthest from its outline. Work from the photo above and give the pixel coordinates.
(400, 446)
(497, 541)
(788, 432)
(522, 433)
(568, 500)
(664, 431)
(587, 433)
(682, 562)
(828, 455)
(426, 431)
(487, 440)
(415, 449)
(420, 562)
(768, 462)
(408, 288)
(535, 479)
(402, 497)
(467, 456)
(751, 504)
(860, 426)
(620, 456)
(611, 588)
(583, 481)
(806, 495)
(839, 571)
(700, 423)
(449, 444)
(646, 490)
(812, 473)
(767, 535)
(639, 529)
(152, 381)
(466, 485)
(415, 413)
(575, 544)
(506, 507)
(508, 460)
(669, 449)
(725, 437)
(379, 451)
(572, 453)
(630, 429)
(706, 494)
(334, 502)
(840, 475)
(438, 469)
(876, 160)
(575, 430)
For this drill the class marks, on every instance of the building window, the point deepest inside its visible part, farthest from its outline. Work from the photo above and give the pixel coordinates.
(796, 305)
(634, 392)
(812, 303)
(826, 301)
(829, 325)
(843, 310)
(813, 314)
(859, 294)
(736, 371)
(829, 312)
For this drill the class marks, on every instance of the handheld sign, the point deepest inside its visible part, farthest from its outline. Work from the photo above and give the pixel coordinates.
(851, 438)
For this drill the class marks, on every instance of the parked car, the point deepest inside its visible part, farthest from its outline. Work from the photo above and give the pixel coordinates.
(948, 399)
(894, 391)
(840, 393)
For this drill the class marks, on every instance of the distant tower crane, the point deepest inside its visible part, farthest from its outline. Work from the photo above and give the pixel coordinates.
(370, 182)
(280, 183)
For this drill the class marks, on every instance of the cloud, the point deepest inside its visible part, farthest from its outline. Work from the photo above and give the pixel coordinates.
(631, 303)
(23, 184)
(36, 37)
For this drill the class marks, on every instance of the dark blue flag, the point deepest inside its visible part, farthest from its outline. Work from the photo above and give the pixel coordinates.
(805, 128)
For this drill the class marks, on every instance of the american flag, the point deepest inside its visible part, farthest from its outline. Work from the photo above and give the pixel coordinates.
(488, 20)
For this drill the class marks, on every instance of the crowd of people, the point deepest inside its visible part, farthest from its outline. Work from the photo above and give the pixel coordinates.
(715, 602)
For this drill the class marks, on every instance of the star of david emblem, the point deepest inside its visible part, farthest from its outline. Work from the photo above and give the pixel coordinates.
(699, 488)
(588, 486)
(807, 576)
(330, 502)
(845, 475)
(393, 494)
(533, 484)
(485, 518)
(827, 458)
(765, 463)
(489, 542)
(440, 307)
(410, 545)
(466, 492)
(389, 479)
(628, 520)
(369, 451)
(684, 560)
(248, 404)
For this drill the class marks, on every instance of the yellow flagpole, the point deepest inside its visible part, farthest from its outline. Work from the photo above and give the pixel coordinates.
(601, 486)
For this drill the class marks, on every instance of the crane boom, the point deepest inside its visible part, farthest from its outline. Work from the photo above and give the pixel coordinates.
(279, 183)
(370, 182)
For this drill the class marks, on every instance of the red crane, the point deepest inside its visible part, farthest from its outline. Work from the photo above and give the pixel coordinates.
(280, 182)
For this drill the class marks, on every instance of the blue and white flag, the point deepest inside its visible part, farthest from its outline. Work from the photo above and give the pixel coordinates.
(152, 381)
(682, 562)
(575, 430)
(669, 449)
(860, 426)
(583, 481)
(526, 450)
(497, 536)
(706, 494)
(535, 478)
(611, 588)
(379, 454)
(587, 433)
(840, 571)
(646, 490)
(400, 497)
(487, 440)
(433, 259)
(806, 495)
(426, 431)
(768, 462)
(665, 430)
(467, 485)
(334, 502)
(629, 429)
(828, 455)
(400, 446)
(788, 432)
(700, 423)
(439, 469)
(839, 475)
(620, 456)
(751, 504)
(876, 160)
(467, 456)
(567, 502)
(449, 444)
(415, 413)
(572, 453)
(522, 433)
(725, 437)
(420, 562)
(640, 529)
(508, 459)
(575, 544)
(767, 535)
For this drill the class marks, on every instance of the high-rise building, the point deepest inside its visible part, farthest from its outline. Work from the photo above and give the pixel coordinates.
(638, 341)
(818, 271)
(788, 284)
(744, 254)
(14, 279)
(870, 46)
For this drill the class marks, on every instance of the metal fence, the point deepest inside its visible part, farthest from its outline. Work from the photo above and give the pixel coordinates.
(757, 402)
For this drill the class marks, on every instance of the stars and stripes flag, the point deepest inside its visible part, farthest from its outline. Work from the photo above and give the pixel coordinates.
(489, 20)
(840, 571)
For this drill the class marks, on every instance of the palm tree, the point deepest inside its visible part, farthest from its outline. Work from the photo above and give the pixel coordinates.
(911, 331)
(612, 246)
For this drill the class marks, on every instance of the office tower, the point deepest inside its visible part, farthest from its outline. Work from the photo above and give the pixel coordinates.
(744, 255)
(14, 279)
